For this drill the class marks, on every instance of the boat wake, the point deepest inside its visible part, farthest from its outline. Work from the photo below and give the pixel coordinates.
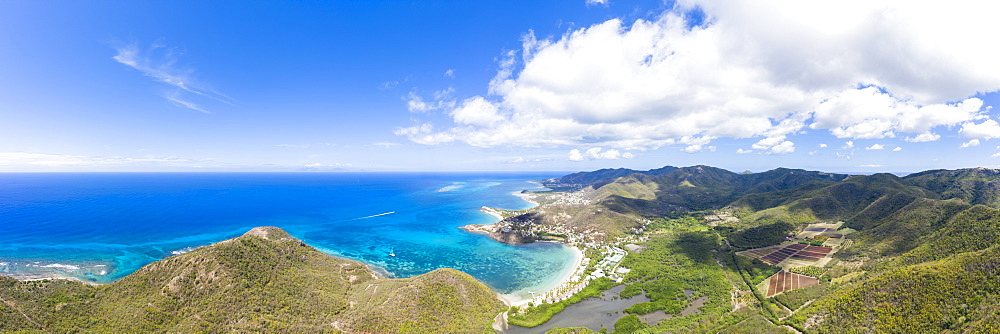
(373, 216)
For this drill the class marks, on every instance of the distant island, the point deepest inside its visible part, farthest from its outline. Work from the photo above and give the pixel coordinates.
(676, 249)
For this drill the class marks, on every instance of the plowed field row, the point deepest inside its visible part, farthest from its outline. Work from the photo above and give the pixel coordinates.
(785, 281)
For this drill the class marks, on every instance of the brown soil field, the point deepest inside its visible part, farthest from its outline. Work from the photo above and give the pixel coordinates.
(785, 281)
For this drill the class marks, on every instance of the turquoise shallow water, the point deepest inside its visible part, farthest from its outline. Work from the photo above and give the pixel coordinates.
(103, 226)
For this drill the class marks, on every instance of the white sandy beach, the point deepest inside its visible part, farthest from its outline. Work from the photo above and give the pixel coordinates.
(518, 298)
(490, 211)
(526, 197)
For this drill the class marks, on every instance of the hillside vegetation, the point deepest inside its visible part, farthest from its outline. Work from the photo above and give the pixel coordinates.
(973, 185)
(919, 254)
(263, 281)
(958, 294)
(614, 202)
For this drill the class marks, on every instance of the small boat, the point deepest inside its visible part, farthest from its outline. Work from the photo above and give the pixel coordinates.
(392, 253)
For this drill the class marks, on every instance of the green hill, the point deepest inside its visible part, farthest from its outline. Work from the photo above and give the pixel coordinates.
(906, 228)
(861, 201)
(704, 187)
(973, 229)
(599, 178)
(637, 186)
(263, 281)
(957, 295)
(699, 188)
(972, 185)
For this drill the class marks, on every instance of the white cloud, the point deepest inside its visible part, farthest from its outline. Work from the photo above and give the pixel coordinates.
(767, 143)
(875, 147)
(848, 145)
(449, 73)
(897, 149)
(519, 160)
(477, 111)
(415, 103)
(996, 155)
(870, 113)
(176, 99)
(742, 151)
(971, 143)
(423, 134)
(760, 69)
(988, 129)
(783, 148)
(159, 62)
(597, 2)
(598, 153)
(923, 137)
(443, 95)
(595, 153)
(822, 145)
(388, 85)
(316, 166)
(414, 131)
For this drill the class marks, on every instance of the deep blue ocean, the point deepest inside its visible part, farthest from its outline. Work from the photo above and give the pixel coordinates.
(103, 226)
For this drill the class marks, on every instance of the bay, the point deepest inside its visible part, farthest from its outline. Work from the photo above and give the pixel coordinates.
(102, 226)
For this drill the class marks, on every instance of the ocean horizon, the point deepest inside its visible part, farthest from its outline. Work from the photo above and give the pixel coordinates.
(100, 227)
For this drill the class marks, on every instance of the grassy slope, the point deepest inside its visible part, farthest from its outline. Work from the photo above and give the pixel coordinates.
(262, 281)
(441, 301)
(927, 298)
(636, 186)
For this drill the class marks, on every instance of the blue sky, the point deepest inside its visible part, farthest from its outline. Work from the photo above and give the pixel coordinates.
(853, 86)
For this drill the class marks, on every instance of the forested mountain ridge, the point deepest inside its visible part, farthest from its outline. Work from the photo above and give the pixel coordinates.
(263, 281)
(616, 204)
(859, 199)
(691, 188)
(700, 182)
(973, 185)
(598, 178)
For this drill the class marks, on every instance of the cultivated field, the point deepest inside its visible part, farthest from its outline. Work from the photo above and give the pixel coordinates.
(785, 281)
(793, 254)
